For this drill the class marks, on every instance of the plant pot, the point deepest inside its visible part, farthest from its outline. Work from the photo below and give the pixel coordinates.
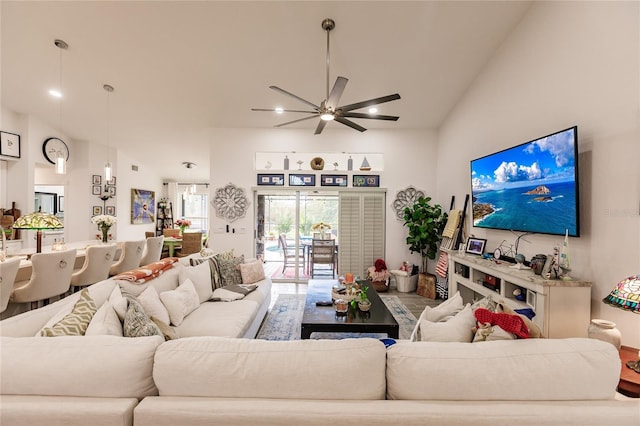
(364, 305)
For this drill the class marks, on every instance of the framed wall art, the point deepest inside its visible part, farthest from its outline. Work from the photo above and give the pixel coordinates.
(271, 179)
(366, 181)
(334, 180)
(96, 190)
(10, 144)
(112, 190)
(112, 181)
(110, 210)
(302, 180)
(143, 206)
(96, 180)
(97, 210)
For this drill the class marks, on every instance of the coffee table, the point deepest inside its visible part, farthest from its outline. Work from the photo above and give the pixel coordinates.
(324, 318)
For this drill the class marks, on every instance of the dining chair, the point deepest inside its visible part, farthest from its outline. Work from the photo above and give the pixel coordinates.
(50, 276)
(149, 234)
(323, 252)
(289, 253)
(8, 271)
(170, 232)
(152, 251)
(97, 262)
(191, 243)
(130, 257)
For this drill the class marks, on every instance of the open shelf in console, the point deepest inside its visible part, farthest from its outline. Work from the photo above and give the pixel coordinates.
(563, 308)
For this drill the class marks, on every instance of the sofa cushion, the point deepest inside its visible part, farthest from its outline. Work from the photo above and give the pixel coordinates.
(74, 323)
(252, 272)
(150, 301)
(105, 322)
(180, 302)
(118, 302)
(90, 366)
(261, 293)
(219, 319)
(517, 370)
(216, 280)
(230, 271)
(233, 292)
(137, 323)
(446, 309)
(297, 369)
(456, 329)
(200, 276)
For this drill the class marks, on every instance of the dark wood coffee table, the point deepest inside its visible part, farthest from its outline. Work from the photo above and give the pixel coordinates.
(325, 319)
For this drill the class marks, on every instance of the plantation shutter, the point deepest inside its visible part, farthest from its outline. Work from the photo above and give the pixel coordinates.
(361, 230)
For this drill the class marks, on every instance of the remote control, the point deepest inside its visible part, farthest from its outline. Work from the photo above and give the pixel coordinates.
(324, 303)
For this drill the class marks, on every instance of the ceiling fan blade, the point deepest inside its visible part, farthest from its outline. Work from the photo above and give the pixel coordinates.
(370, 102)
(350, 124)
(295, 121)
(277, 89)
(320, 127)
(283, 110)
(336, 92)
(370, 116)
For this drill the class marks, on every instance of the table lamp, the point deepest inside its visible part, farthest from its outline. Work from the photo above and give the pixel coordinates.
(38, 221)
(626, 295)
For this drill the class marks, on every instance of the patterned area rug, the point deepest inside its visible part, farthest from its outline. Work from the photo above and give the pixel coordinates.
(284, 318)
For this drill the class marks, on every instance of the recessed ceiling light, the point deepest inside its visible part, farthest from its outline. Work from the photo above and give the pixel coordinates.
(279, 110)
(373, 110)
(55, 93)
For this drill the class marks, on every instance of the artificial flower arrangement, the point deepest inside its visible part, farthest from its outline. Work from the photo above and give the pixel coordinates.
(104, 220)
(183, 223)
(320, 226)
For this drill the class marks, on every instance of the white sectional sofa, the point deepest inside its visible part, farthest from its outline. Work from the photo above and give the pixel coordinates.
(231, 380)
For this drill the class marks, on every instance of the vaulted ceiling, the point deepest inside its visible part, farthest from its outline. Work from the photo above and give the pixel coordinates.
(181, 68)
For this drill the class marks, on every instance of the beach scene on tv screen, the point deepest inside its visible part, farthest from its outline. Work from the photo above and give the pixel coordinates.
(530, 187)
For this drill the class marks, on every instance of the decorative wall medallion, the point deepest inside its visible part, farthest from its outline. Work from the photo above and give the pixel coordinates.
(405, 198)
(230, 202)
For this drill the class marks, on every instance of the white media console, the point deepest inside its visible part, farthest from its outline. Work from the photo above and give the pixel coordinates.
(563, 308)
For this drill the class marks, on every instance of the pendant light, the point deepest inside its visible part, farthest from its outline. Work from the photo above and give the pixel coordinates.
(189, 190)
(107, 166)
(60, 161)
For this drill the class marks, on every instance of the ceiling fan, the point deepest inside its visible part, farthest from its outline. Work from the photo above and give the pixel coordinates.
(328, 109)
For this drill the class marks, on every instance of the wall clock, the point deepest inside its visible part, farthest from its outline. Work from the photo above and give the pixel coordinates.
(53, 148)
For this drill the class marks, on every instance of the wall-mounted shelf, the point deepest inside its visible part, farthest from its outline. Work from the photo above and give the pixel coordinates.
(563, 308)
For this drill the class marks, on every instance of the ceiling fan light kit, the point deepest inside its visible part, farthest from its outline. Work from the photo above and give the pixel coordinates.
(328, 110)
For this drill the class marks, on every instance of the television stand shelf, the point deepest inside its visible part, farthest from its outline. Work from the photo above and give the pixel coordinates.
(563, 308)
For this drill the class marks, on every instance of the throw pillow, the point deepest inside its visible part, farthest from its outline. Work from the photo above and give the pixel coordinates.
(180, 302)
(534, 330)
(137, 323)
(168, 332)
(216, 280)
(75, 323)
(449, 307)
(105, 322)
(200, 276)
(487, 332)
(229, 270)
(233, 292)
(118, 302)
(252, 272)
(153, 307)
(457, 329)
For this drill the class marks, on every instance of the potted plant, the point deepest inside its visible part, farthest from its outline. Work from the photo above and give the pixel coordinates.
(361, 300)
(425, 223)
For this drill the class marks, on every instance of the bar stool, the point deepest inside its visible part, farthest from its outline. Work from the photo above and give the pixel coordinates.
(50, 276)
(97, 262)
(130, 257)
(8, 271)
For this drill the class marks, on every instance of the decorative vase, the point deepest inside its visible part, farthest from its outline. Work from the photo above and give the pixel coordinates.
(182, 228)
(606, 331)
(364, 305)
(105, 233)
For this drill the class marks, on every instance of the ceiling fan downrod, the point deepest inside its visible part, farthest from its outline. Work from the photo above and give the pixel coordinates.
(328, 24)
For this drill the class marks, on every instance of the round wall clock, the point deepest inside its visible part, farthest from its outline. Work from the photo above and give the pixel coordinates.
(53, 148)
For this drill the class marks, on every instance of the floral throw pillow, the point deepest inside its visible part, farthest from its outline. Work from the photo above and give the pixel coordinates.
(230, 270)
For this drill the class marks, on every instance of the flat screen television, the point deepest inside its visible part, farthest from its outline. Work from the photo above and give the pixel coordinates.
(532, 187)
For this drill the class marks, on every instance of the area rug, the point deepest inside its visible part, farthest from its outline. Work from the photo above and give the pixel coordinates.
(283, 320)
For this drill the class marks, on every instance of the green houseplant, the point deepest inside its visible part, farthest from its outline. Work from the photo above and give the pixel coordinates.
(425, 223)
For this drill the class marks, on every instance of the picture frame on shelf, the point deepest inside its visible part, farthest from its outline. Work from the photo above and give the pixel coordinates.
(96, 190)
(266, 179)
(366, 181)
(96, 180)
(9, 144)
(334, 180)
(297, 179)
(475, 246)
(97, 210)
(110, 210)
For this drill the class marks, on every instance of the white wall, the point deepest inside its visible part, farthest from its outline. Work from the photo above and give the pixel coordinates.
(410, 159)
(566, 63)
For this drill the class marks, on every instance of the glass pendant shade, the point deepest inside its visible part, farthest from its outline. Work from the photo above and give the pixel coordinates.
(107, 171)
(61, 165)
(626, 295)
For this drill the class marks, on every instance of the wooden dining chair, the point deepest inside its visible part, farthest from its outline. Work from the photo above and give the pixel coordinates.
(97, 262)
(149, 234)
(130, 257)
(323, 252)
(50, 276)
(289, 253)
(191, 243)
(8, 272)
(170, 232)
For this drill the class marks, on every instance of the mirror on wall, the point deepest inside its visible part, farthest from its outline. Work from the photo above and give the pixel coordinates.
(46, 202)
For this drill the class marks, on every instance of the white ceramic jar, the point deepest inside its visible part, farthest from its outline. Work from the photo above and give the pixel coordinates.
(606, 331)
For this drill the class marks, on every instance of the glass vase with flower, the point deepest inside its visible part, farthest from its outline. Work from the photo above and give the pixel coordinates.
(104, 222)
(183, 224)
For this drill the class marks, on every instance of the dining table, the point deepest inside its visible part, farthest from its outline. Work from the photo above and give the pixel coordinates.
(171, 243)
